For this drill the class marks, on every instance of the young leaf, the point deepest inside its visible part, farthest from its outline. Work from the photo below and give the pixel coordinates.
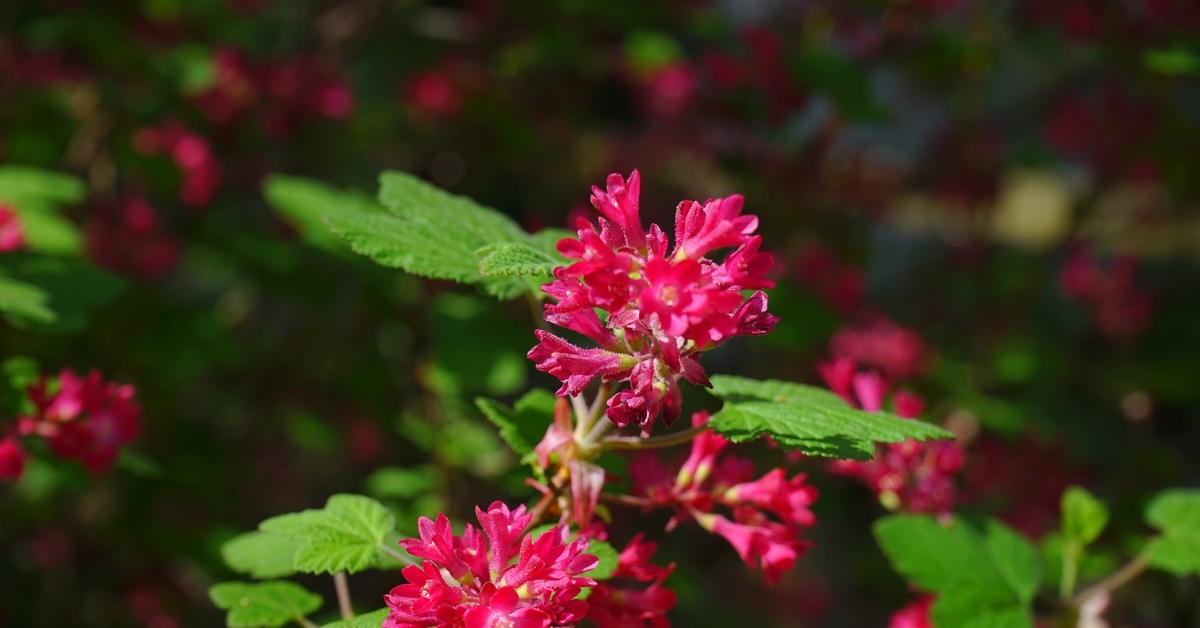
(33, 189)
(369, 620)
(73, 287)
(523, 425)
(813, 420)
(1083, 516)
(980, 581)
(261, 554)
(1177, 514)
(269, 604)
(347, 535)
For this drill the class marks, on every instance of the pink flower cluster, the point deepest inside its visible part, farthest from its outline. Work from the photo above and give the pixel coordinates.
(193, 156)
(915, 615)
(614, 603)
(662, 309)
(496, 576)
(912, 475)
(1119, 307)
(12, 232)
(289, 91)
(769, 513)
(82, 418)
(129, 237)
(897, 351)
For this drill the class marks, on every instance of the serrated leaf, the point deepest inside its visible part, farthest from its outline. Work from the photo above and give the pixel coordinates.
(523, 425)
(510, 258)
(980, 581)
(305, 203)
(346, 535)
(429, 232)
(25, 301)
(368, 620)
(269, 604)
(1177, 514)
(813, 420)
(261, 554)
(1083, 516)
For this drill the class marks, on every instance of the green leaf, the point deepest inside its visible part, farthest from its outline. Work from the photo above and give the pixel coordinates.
(980, 581)
(508, 258)
(347, 535)
(1177, 514)
(261, 554)
(609, 559)
(523, 425)
(305, 203)
(429, 232)
(369, 620)
(268, 604)
(33, 189)
(50, 233)
(813, 420)
(25, 301)
(837, 76)
(1083, 516)
(73, 286)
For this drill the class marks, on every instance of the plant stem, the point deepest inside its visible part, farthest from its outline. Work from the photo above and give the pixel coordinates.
(666, 440)
(304, 621)
(539, 509)
(343, 595)
(626, 500)
(1114, 581)
(1070, 562)
(397, 555)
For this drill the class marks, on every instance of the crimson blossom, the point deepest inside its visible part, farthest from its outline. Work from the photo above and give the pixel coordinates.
(524, 581)
(84, 418)
(768, 513)
(662, 309)
(12, 232)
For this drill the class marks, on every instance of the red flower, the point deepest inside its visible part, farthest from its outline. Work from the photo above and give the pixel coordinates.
(915, 615)
(192, 153)
(85, 418)
(500, 576)
(12, 232)
(615, 603)
(662, 309)
(130, 238)
(12, 459)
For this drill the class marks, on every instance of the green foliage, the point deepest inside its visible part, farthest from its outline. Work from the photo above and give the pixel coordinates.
(609, 559)
(1083, 516)
(346, 535)
(1177, 514)
(403, 483)
(429, 232)
(269, 604)
(813, 420)
(368, 620)
(305, 203)
(509, 258)
(981, 580)
(52, 294)
(36, 195)
(20, 301)
(837, 76)
(1176, 61)
(261, 554)
(523, 425)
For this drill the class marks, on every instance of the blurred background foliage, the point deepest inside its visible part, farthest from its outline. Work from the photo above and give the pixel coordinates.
(1016, 181)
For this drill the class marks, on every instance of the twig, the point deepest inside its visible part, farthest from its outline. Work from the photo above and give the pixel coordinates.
(1114, 581)
(343, 595)
(666, 440)
(304, 621)
(539, 509)
(626, 500)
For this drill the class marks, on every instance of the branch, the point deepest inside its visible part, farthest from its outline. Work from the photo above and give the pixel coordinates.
(653, 442)
(1114, 581)
(343, 595)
